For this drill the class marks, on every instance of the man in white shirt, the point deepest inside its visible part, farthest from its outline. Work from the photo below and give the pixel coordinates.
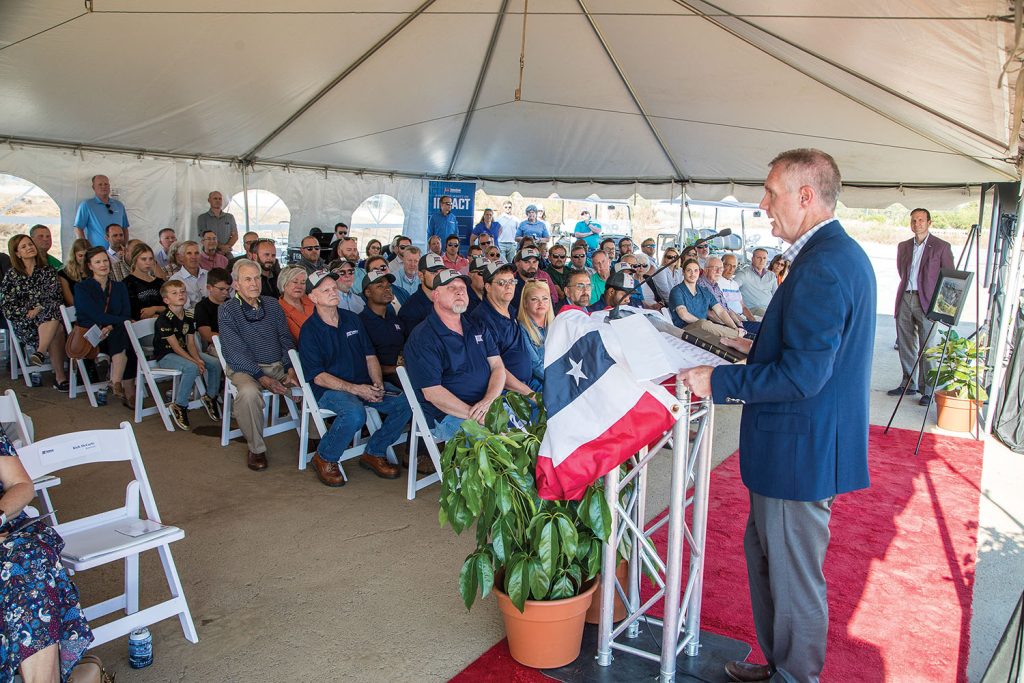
(406, 270)
(190, 273)
(757, 283)
(507, 237)
(167, 238)
(731, 289)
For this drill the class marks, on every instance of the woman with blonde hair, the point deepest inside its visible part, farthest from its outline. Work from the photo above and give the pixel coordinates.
(297, 307)
(535, 314)
(142, 285)
(72, 272)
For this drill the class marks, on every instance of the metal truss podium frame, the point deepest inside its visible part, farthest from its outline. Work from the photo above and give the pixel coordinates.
(627, 497)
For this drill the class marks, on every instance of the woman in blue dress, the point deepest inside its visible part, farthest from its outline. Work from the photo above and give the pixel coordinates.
(43, 633)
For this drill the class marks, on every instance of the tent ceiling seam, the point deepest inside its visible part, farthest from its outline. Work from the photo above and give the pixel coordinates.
(338, 79)
(484, 67)
(850, 96)
(45, 30)
(632, 93)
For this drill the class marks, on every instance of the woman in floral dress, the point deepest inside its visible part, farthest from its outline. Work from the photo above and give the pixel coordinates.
(43, 631)
(31, 299)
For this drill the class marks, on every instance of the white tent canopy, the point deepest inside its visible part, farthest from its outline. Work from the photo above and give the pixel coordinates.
(616, 97)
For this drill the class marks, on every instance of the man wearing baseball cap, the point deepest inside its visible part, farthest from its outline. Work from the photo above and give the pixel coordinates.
(420, 304)
(616, 291)
(532, 227)
(476, 291)
(382, 323)
(452, 361)
(343, 371)
(495, 315)
(527, 267)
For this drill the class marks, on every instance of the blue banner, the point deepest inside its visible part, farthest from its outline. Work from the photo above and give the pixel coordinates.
(462, 195)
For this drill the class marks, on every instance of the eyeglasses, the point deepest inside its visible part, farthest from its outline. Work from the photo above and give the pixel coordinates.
(252, 314)
(556, 256)
(382, 268)
(109, 210)
(581, 286)
(579, 256)
(313, 248)
(703, 247)
(345, 271)
(505, 282)
(223, 289)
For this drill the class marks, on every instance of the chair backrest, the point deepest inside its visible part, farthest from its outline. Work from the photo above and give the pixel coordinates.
(220, 354)
(10, 414)
(137, 329)
(68, 315)
(418, 416)
(88, 447)
(308, 399)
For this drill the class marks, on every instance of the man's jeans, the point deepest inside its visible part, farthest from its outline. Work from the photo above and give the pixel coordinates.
(189, 373)
(351, 416)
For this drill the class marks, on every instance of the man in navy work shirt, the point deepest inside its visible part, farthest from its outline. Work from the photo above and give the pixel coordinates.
(452, 361)
(345, 376)
(382, 323)
(494, 314)
(420, 304)
(255, 340)
(443, 223)
(477, 266)
(615, 292)
(95, 214)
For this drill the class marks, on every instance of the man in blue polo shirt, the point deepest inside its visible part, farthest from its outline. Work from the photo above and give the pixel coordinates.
(420, 304)
(95, 214)
(477, 266)
(382, 323)
(443, 223)
(532, 227)
(587, 230)
(345, 376)
(452, 361)
(494, 315)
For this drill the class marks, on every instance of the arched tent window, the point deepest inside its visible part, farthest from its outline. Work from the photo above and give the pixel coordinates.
(379, 217)
(269, 217)
(24, 204)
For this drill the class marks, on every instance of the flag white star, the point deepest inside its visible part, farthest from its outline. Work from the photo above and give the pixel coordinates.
(577, 371)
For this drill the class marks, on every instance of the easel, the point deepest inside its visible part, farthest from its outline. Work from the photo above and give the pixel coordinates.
(972, 241)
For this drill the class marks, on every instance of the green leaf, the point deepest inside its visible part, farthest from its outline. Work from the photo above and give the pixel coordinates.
(484, 464)
(568, 536)
(540, 580)
(499, 539)
(518, 581)
(485, 572)
(599, 516)
(467, 580)
(563, 588)
(594, 559)
(503, 495)
(547, 549)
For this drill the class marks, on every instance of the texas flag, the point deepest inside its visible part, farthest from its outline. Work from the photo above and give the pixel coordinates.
(599, 412)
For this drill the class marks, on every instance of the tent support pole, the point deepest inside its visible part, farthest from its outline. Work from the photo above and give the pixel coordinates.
(632, 92)
(245, 194)
(479, 85)
(251, 154)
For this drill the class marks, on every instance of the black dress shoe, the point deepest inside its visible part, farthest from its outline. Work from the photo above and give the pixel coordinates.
(899, 390)
(745, 672)
(925, 399)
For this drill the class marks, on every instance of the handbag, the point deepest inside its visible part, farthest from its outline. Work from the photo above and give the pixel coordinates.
(90, 670)
(77, 346)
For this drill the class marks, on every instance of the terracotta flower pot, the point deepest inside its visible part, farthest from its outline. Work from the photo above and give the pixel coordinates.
(594, 613)
(956, 414)
(548, 633)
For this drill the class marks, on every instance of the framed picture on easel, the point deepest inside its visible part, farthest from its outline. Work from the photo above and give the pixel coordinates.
(949, 296)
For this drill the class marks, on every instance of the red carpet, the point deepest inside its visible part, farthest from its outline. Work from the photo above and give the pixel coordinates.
(900, 567)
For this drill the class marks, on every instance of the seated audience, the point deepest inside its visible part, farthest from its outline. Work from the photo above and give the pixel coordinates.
(348, 249)
(578, 288)
(602, 271)
(249, 241)
(495, 315)
(102, 302)
(394, 255)
(31, 300)
(255, 340)
(340, 233)
(382, 324)
(174, 348)
(348, 299)
(309, 255)
(527, 267)
(117, 241)
(72, 272)
(345, 376)
(628, 264)
(780, 267)
(709, 281)
(42, 625)
(670, 277)
(616, 291)
(558, 270)
(493, 254)
(190, 273)
(266, 256)
(535, 314)
(731, 288)
(143, 287)
(703, 251)
(405, 268)
(119, 267)
(578, 257)
(211, 257)
(166, 238)
(757, 283)
(43, 240)
(649, 248)
(689, 304)
(373, 248)
(296, 305)
(476, 289)
(453, 362)
(608, 247)
(434, 245)
(451, 257)
(218, 289)
(474, 251)
(380, 265)
(420, 304)
(625, 247)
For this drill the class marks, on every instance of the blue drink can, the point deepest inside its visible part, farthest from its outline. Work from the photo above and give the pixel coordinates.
(140, 648)
(37, 379)
(101, 396)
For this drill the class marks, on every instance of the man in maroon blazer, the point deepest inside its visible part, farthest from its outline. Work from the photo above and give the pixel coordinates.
(918, 261)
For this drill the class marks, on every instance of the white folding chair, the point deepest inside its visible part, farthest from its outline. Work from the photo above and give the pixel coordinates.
(114, 535)
(19, 359)
(272, 422)
(77, 371)
(418, 429)
(21, 432)
(148, 373)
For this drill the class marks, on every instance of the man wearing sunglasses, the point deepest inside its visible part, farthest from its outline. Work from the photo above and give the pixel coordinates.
(309, 255)
(96, 213)
(345, 274)
(443, 223)
(558, 268)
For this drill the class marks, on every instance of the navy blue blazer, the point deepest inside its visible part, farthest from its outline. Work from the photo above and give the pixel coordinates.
(806, 384)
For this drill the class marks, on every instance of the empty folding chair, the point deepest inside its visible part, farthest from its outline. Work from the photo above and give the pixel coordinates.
(19, 359)
(272, 422)
(20, 431)
(418, 429)
(148, 374)
(115, 535)
(77, 372)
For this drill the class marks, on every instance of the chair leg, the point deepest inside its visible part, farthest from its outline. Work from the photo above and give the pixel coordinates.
(414, 440)
(225, 422)
(303, 438)
(188, 627)
(131, 584)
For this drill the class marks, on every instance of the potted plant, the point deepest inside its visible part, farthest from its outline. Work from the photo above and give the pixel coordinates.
(960, 375)
(540, 557)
